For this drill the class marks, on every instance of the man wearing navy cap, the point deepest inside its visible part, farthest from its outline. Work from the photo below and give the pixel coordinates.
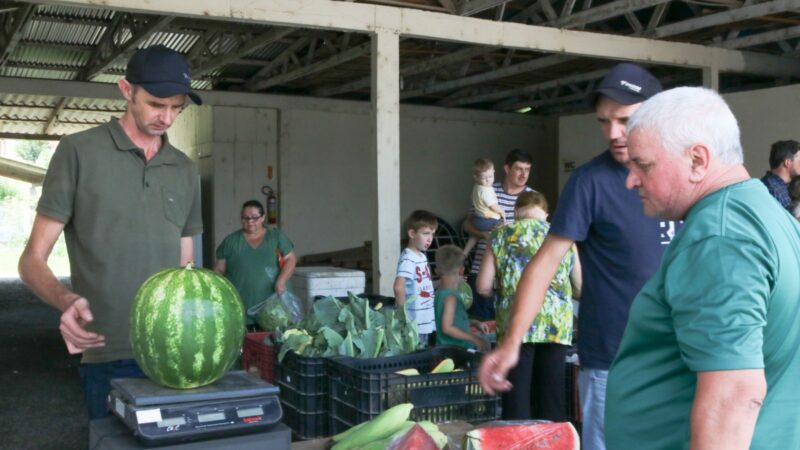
(619, 247)
(128, 203)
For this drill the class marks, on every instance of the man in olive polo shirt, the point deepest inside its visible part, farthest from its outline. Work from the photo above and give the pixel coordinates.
(128, 203)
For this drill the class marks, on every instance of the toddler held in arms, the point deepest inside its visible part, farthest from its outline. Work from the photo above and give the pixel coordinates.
(488, 214)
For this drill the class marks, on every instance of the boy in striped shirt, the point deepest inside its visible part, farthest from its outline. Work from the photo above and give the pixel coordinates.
(413, 286)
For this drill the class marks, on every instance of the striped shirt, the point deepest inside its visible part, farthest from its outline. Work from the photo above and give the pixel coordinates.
(507, 202)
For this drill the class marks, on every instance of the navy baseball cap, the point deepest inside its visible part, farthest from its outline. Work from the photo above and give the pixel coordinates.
(162, 72)
(627, 84)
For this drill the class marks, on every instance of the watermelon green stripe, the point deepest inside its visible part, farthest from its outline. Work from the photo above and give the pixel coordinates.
(187, 327)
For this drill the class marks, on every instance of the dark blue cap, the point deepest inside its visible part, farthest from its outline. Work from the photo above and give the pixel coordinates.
(162, 72)
(627, 84)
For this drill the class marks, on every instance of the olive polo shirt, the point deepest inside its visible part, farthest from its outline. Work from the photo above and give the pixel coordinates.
(124, 218)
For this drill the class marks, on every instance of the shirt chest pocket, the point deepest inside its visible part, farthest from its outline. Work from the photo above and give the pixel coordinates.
(175, 206)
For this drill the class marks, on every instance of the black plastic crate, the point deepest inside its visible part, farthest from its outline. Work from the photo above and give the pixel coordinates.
(305, 425)
(303, 374)
(307, 403)
(360, 389)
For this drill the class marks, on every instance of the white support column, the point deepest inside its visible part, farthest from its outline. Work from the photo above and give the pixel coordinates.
(386, 141)
(711, 77)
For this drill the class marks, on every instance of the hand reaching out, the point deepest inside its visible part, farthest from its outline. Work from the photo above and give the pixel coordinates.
(494, 369)
(73, 327)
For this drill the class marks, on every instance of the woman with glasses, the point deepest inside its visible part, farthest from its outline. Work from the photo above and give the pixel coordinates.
(257, 260)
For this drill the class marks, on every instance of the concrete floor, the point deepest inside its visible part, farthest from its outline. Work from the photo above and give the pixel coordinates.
(42, 404)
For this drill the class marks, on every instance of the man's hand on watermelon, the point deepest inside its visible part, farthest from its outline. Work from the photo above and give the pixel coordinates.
(494, 369)
(73, 327)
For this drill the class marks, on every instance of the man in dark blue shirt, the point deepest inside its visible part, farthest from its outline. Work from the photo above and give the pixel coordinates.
(619, 248)
(784, 164)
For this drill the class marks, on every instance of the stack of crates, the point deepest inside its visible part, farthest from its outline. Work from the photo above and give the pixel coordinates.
(303, 387)
(360, 389)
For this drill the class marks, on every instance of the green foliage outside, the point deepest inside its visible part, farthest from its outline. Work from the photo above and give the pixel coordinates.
(30, 151)
(7, 191)
(17, 210)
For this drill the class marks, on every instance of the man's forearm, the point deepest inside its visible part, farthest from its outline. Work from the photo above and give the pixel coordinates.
(36, 274)
(726, 408)
(472, 231)
(33, 268)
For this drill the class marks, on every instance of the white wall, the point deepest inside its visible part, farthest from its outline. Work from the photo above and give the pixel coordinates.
(764, 116)
(191, 131)
(327, 183)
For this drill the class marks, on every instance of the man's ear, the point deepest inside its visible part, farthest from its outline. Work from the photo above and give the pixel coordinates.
(126, 88)
(700, 157)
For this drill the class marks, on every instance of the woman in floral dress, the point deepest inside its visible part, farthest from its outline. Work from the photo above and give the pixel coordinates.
(538, 380)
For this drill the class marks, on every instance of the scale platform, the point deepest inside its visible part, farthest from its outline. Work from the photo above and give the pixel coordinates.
(238, 403)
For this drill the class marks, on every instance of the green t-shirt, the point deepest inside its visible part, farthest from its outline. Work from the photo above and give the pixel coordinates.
(253, 270)
(124, 219)
(514, 246)
(460, 319)
(726, 297)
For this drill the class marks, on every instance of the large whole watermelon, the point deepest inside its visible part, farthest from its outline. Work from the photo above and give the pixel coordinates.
(187, 327)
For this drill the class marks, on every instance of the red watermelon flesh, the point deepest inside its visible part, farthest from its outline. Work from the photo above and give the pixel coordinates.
(415, 438)
(540, 436)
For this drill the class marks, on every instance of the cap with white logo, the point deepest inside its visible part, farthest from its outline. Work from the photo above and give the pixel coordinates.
(627, 84)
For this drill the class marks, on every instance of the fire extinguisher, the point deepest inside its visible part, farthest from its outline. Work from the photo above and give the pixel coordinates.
(272, 205)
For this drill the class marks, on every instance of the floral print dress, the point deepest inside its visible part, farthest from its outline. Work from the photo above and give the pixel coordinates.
(514, 246)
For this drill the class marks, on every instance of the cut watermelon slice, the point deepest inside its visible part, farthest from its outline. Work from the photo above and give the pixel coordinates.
(415, 439)
(539, 436)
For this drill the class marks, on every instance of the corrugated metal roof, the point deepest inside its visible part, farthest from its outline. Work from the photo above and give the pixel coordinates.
(75, 12)
(57, 42)
(64, 33)
(29, 114)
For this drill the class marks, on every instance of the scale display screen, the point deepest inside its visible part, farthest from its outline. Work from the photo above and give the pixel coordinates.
(211, 417)
(172, 422)
(249, 412)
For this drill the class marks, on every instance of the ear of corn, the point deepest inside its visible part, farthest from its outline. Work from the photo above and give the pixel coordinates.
(341, 436)
(381, 427)
(447, 365)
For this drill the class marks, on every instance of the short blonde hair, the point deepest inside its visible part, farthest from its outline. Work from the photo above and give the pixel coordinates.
(481, 165)
(531, 199)
(449, 259)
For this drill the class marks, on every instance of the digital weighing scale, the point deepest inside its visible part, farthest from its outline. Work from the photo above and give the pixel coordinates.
(237, 403)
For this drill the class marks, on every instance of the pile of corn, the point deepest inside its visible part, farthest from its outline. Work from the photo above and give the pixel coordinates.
(378, 433)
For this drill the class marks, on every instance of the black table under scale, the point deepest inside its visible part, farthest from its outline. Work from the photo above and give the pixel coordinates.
(236, 404)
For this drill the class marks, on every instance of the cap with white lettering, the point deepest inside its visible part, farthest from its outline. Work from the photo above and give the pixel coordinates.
(627, 84)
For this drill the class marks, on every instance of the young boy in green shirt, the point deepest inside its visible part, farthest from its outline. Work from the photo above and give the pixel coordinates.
(452, 323)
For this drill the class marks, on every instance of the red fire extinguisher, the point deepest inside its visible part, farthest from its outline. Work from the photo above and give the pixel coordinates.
(272, 205)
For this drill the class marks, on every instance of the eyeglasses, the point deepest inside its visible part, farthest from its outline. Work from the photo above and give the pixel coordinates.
(250, 219)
